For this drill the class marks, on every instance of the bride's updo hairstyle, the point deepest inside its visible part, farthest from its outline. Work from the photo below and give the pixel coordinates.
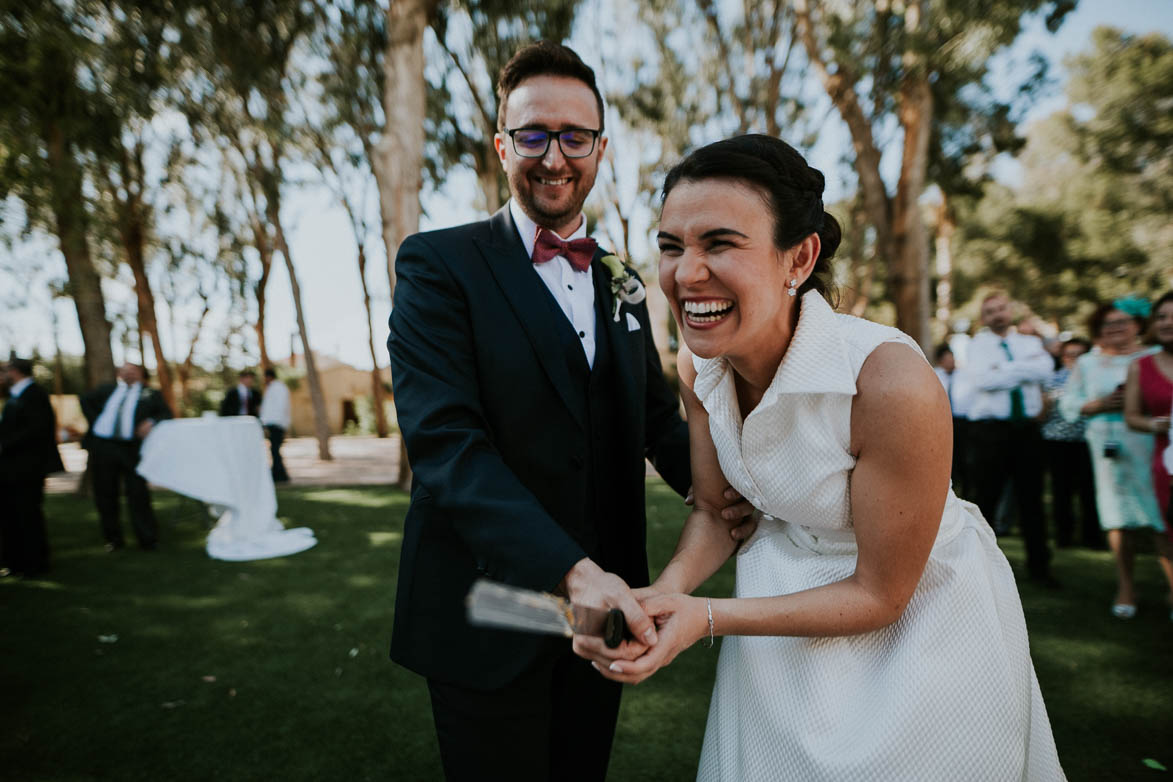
(792, 190)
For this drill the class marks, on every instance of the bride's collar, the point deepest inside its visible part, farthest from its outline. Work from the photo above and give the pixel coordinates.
(816, 361)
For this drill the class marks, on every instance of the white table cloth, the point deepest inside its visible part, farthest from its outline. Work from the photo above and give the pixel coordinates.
(223, 461)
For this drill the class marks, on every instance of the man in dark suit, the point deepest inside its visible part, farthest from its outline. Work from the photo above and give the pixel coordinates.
(528, 404)
(120, 417)
(243, 399)
(28, 452)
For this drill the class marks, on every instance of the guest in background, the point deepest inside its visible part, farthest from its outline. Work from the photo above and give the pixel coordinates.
(1121, 458)
(243, 399)
(275, 419)
(28, 452)
(1067, 459)
(957, 387)
(1148, 396)
(120, 416)
(1007, 370)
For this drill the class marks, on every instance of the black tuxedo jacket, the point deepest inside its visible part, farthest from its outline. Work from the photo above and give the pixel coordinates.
(28, 437)
(486, 405)
(230, 405)
(150, 407)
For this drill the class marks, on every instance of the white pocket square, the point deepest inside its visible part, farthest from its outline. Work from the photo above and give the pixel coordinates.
(632, 323)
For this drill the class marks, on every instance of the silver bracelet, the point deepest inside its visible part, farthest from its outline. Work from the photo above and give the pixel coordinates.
(709, 608)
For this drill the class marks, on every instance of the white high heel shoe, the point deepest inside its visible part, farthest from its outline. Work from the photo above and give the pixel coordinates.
(1124, 611)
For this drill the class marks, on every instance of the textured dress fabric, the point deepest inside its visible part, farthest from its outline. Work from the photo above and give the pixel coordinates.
(947, 692)
(1122, 458)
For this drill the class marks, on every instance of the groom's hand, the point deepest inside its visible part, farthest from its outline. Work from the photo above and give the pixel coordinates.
(588, 584)
(738, 508)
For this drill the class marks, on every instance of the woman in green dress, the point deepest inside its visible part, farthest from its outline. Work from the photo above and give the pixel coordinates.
(1121, 457)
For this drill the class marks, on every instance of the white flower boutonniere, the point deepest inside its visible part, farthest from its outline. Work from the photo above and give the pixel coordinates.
(625, 286)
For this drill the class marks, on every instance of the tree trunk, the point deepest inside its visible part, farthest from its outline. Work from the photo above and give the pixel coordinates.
(377, 392)
(909, 264)
(132, 242)
(265, 250)
(399, 159)
(184, 369)
(321, 423)
(944, 252)
(488, 170)
(85, 286)
(901, 242)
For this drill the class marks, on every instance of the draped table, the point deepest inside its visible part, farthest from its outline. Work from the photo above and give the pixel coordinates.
(223, 462)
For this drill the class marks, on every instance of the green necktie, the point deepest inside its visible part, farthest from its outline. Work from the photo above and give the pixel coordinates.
(1017, 408)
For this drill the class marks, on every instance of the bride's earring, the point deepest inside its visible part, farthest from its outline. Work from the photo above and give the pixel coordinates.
(793, 284)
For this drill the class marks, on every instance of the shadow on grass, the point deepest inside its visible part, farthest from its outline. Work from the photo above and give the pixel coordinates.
(170, 665)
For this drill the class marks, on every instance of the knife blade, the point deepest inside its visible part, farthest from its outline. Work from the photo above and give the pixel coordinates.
(491, 604)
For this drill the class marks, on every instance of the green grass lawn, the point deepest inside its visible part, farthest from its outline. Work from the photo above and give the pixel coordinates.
(173, 666)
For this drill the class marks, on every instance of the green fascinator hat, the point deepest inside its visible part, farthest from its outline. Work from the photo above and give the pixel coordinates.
(1134, 306)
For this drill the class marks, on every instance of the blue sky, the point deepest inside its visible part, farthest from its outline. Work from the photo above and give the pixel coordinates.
(323, 247)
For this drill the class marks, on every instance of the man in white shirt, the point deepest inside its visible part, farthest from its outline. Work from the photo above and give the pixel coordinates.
(121, 415)
(1007, 371)
(275, 419)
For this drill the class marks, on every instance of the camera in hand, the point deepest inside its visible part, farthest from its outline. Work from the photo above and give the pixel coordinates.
(1111, 449)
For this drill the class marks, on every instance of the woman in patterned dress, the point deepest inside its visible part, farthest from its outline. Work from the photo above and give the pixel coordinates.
(1121, 457)
(876, 631)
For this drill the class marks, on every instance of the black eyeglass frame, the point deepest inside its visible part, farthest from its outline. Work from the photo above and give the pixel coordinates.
(551, 134)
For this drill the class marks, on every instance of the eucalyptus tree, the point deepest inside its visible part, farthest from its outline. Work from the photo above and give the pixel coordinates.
(1091, 219)
(477, 38)
(137, 66)
(681, 73)
(238, 96)
(53, 114)
(896, 64)
(333, 147)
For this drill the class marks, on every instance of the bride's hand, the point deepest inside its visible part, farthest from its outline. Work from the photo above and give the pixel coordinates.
(680, 620)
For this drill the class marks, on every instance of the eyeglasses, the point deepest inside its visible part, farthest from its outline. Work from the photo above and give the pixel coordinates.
(533, 142)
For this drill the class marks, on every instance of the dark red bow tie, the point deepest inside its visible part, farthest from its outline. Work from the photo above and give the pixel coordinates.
(578, 251)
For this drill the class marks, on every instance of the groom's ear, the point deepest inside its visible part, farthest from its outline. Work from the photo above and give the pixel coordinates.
(499, 145)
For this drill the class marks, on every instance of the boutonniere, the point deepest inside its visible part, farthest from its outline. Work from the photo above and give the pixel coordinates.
(625, 286)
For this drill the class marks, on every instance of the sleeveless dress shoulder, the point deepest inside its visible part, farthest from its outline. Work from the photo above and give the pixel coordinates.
(947, 692)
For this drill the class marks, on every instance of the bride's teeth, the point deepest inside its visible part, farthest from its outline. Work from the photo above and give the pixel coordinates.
(705, 307)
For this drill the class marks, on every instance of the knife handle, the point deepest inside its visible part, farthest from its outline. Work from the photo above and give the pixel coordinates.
(615, 630)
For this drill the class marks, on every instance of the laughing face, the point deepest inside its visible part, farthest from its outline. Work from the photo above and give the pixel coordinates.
(723, 276)
(551, 189)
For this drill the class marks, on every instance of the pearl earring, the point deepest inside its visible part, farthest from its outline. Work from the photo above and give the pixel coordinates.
(793, 284)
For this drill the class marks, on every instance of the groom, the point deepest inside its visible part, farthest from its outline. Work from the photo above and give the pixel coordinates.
(528, 411)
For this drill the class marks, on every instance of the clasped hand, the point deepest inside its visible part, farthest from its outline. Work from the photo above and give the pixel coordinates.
(680, 620)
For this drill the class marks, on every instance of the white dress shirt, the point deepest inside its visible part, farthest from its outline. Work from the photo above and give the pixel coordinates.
(275, 405)
(959, 389)
(992, 374)
(19, 386)
(573, 290)
(106, 423)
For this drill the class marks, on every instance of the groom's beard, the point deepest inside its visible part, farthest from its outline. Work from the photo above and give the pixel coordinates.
(546, 212)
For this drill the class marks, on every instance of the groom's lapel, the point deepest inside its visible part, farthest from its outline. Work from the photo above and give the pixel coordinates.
(615, 331)
(530, 300)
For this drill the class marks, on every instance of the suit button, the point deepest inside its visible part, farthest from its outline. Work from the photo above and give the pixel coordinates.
(576, 462)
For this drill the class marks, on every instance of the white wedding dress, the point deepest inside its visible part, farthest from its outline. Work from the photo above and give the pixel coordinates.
(947, 692)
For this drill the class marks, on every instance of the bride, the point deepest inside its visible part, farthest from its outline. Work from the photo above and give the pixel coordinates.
(876, 631)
